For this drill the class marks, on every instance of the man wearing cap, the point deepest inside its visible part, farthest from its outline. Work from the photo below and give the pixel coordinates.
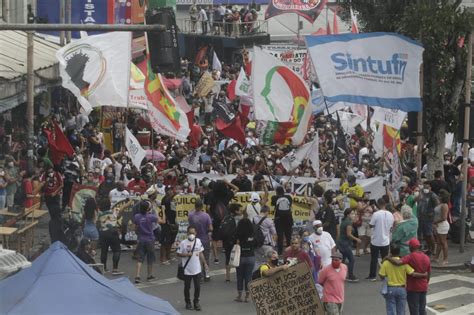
(416, 287)
(332, 279)
(253, 208)
(202, 223)
(323, 243)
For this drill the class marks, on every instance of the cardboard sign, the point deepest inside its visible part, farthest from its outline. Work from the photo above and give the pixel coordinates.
(79, 195)
(205, 85)
(287, 292)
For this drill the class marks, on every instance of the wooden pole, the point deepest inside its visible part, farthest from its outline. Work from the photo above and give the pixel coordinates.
(68, 19)
(465, 145)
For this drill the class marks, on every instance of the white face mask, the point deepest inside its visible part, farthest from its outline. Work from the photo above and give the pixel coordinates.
(205, 142)
(319, 230)
(426, 191)
(191, 237)
(269, 164)
(257, 159)
(278, 161)
(10, 164)
(416, 194)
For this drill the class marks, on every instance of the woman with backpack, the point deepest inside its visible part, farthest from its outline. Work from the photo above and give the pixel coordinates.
(247, 242)
(227, 233)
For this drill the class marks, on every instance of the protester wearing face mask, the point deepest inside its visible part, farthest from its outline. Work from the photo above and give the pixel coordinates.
(191, 252)
(3, 191)
(272, 266)
(52, 183)
(118, 194)
(242, 181)
(332, 279)
(323, 243)
(427, 202)
(12, 177)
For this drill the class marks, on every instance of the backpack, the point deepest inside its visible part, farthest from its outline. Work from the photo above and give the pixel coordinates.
(258, 234)
(20, 195)
(228, 228)
(257, 274)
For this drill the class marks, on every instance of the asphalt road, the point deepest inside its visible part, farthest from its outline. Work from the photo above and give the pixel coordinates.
(453, 292)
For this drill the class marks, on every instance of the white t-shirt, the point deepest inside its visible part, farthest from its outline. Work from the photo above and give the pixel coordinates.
(323, 245)
(253, 210)
(382, 221)
(194, 265)
(116, 196)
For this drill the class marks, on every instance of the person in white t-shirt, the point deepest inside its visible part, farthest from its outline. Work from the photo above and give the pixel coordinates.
(118, 194)
(191, 252)
(381, 223)
(253, 208)
(323, 243)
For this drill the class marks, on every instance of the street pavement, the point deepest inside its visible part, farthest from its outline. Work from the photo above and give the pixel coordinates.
(450, 291)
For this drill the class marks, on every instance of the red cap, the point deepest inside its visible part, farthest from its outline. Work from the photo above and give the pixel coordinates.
(414, 243)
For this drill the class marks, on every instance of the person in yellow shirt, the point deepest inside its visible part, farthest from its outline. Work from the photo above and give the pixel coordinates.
(396, 276)
(354, 191)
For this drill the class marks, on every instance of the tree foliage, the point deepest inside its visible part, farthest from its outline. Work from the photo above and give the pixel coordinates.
(441, 26)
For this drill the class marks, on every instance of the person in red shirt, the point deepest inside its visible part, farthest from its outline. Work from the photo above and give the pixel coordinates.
(137, 186)
(196, 134)
(28, 188)
(416, 287)
(295, 251)
(52, 186)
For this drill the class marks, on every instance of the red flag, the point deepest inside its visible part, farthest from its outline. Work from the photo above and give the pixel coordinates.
(244, 115)
(59, 145)
(231, 90)
(335, 25)
(232, 130)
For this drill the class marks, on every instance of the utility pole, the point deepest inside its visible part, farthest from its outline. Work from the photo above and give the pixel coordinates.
(68, 19)
(30, 97)
(62, 17)
(465, 145)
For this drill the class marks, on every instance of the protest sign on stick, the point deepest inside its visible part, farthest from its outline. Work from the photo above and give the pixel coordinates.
(287, 292)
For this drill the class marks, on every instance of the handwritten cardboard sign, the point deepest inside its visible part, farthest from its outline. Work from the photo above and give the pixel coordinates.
(287, 292)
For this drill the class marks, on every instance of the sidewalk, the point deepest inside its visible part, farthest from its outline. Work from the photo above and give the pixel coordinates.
(456, 259)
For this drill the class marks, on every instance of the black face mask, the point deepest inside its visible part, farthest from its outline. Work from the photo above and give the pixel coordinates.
(275, 262)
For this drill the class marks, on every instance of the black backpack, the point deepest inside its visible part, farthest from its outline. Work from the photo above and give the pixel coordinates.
(228, 228)
(258, 234)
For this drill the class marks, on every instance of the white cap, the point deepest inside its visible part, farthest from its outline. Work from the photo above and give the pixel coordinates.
(254, 197)
(317, 222)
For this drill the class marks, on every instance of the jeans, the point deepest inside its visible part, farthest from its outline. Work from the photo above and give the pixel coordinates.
(187, 288)
(346, 251)
(53, 205)
(244, 272)
(395, 300)
(416, 302)
(3, 201)
(374, 255)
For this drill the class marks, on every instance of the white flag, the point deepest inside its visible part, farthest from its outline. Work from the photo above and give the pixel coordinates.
(308, 151)
(135, 150)
(216, 63)
(349, 121)
(390, 117)
(191, 162)
(96, 69)
(242, 86)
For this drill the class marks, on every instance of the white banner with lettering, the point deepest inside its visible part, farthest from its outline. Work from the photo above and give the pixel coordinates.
(390, 117)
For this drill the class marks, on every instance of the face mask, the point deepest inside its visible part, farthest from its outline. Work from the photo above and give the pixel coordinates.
(236, 149)
(246, 155)
(305, 239)
(50, 175)
(311, 129)
(426, 191)
(249, 134)
(124, 162)
(416, 194)
(205, 142)
(269, 164)
(186, 185)
(10, 164)
(297, 171)
(336, 264)
(208, 129)
(278, 161)
(275, 262)
(191, 237)
(257, 159)
(319, 230)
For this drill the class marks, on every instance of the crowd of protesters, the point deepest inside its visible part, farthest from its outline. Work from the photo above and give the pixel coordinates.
(341, 220)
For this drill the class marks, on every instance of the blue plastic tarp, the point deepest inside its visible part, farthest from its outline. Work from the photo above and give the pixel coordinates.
(60, 283)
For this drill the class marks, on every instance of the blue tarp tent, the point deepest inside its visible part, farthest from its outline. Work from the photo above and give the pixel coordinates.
(60, 283)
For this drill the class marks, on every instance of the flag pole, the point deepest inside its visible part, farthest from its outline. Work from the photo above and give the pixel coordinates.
(147, 49)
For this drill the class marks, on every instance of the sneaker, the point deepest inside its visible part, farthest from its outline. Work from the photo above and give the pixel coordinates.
(371, 279)
(166, 263)
(150, 278)
(352, 279)
(197, 307)
(137, 280)
(189, 306)
(207, 279)
(117, 273)
(216, 261)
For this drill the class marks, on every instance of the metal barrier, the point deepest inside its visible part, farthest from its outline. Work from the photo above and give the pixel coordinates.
(225, 29)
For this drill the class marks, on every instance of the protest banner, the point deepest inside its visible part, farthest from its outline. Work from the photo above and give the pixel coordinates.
(292, 291)
(309, 10)
(204, 85)
(291, 56)
(375, 69)
(79, 195)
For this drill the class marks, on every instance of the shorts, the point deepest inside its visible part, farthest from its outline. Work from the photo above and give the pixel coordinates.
(146, 249)
(364, 230)
(90, 231)
(425, 228)
(442, 228)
